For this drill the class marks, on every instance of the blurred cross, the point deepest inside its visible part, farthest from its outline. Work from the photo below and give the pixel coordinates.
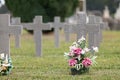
(6, 29)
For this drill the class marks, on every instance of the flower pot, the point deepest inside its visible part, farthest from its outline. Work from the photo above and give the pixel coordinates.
(74, 71)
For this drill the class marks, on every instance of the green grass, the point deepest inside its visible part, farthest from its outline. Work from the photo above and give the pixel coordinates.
(53, 66)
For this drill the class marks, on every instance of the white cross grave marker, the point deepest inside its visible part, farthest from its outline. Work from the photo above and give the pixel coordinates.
(93, 32)
(38, 27)
(57, 24)
(67, 29)
(15, 21)
(102, 24)
(5, 31)
(80, 27)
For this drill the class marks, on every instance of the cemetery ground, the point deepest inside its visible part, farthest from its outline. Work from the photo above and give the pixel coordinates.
(53, 65)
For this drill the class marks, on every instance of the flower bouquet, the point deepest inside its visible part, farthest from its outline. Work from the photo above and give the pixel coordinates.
(80, 58)
(5, 65)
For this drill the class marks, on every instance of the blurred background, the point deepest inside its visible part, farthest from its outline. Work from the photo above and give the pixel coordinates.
(109, 10)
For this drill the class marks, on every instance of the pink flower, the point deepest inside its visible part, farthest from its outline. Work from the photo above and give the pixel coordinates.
(86, 62)
(72, 62)
(77, 51)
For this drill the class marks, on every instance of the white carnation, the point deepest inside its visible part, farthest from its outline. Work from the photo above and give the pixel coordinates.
(81, 39)
(95, 49)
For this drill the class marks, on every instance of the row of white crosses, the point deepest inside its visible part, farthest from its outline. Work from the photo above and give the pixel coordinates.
(6, 29)
(68, 28)
(98, 26)
(81, 29)
(93, 28)
(37, 26)
(57, 25)
(91, 25)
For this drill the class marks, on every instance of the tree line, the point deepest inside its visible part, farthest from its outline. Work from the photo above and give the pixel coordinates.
(27, 9)
(100, 5)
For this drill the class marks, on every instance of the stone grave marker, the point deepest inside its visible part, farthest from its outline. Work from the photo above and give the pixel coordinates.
(5, 31)
(102, 25)
(67, 29)
(93, 32)
(80, 27)
(17, 37)
(57, 24)
(15, 21)
(38, 27)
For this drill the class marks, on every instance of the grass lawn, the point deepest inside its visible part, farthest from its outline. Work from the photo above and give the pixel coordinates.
(53, 66)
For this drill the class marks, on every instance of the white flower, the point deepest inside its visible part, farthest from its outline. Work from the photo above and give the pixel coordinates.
(66, 54)
(95, 49)
(81, 39)
(6, 65)
(86, 49)
(2, 56)
(72, 47)
(79, 57)
(6, 58)
(74, 43)
(82, 52)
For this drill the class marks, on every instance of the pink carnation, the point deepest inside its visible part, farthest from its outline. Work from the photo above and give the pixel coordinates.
(86, 62)
(77, 51)
(72, 62)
